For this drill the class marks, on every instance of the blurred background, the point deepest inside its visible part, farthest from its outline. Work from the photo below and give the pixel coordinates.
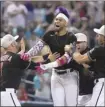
(31, 19)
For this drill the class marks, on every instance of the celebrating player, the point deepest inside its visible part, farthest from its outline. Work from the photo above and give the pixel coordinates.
(97, 54)
(12, 70)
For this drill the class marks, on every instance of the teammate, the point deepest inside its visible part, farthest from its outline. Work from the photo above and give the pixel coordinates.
(12, 69)
(86, 82)
(98, 55)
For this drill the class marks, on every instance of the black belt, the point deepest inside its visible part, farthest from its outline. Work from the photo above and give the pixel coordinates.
(4, 89)
(60, 72)
(99, 79)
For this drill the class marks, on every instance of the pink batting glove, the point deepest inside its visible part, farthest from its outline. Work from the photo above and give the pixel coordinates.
(40, 70)
(24, 56)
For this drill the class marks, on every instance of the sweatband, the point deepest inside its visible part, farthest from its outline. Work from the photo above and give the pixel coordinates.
(63, 16)
(68, 57)
(61, 60)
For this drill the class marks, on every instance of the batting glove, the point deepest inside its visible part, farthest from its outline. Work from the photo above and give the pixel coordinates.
(24, 56)
(40, 70)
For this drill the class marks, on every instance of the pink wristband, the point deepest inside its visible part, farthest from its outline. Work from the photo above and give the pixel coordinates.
(68, 57)
(61, 60)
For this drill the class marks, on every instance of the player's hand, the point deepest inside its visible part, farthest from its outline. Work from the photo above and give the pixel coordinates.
(68, 48)
(24, 56)
(21, 52)
(54, 56)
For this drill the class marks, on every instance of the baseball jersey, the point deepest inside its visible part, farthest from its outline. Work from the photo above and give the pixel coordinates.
(98, 55)
(57, 43)
(86, 82)
(12, 70)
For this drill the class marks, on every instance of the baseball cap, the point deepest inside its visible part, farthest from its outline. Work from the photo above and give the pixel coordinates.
(81, 37)
(100, 31)
(7, 40)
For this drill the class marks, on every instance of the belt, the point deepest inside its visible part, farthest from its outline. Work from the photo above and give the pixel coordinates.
(99, 80)
(60, 72)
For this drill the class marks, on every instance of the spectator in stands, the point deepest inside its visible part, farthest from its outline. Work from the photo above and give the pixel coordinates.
(42, 86)
(16, 13)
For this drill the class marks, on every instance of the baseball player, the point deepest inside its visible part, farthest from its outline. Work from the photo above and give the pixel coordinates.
(63, 79)
(86, 83)
(12, 70)
(97, 54)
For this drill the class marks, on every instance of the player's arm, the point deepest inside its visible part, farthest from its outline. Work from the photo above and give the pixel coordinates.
(21, 63)
(80, 58)
(43, 55)
(33, 51)
(36, 48)
(89, 56)
(59, 62)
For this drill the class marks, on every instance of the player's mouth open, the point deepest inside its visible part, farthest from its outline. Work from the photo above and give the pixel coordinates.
(57, 26)
(78, 48)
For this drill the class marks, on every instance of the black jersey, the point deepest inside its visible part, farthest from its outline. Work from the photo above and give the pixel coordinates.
(98, 55)
(12, 70)
(86, 82)
(57, 43)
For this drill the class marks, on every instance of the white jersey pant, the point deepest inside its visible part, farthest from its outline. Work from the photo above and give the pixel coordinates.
(98, 94)
(64, 88)
(9, 98)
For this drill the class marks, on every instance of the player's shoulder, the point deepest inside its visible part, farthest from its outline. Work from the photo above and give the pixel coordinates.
(98, 49)
(13, 56)
(48, 35)
(72, 36)
(101, 49)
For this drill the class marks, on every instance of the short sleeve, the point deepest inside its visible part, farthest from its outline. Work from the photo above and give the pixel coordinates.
(94, 53)
(46, 37)
(72, 38)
